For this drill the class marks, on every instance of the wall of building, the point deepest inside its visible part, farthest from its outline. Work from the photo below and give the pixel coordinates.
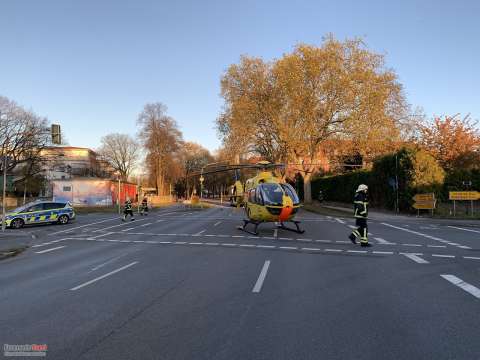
(92, 192)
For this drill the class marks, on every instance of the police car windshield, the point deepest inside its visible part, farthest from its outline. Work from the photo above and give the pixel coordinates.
(272, 194)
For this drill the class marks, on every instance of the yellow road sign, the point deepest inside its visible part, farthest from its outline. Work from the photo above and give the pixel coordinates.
(424, 197)
(464, 195)
(425, 205)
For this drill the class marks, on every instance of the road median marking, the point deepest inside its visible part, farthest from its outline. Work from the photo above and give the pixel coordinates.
(261, 278)
(119, 225)
(99, 236)
(421, 234)
(145, 224)
(51, 249)
(469, 230)
(382, 241)
(48, 243)
(416, 258)
(462, 285)
(82, 226)
(103, 276)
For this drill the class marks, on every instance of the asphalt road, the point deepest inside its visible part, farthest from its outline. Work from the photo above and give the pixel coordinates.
(183, 284)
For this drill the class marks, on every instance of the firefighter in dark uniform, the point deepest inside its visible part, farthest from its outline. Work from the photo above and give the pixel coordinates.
(128, 210)
(360, 205)
(144, 207)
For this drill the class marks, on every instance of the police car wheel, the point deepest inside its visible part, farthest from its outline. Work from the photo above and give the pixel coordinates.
(63, 219)
(17, 223)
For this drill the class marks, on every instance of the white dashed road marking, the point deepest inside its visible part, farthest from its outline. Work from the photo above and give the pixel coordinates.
(462, 285)
(199, 233)
(340, 221)
(261, 278)
(217, 223)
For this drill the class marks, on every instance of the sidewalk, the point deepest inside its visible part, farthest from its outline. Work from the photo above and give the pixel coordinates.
(389, 216)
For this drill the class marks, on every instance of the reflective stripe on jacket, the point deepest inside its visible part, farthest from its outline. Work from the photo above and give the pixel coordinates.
(360, 205)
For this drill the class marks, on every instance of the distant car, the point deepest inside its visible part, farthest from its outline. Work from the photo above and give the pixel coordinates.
(40, 212)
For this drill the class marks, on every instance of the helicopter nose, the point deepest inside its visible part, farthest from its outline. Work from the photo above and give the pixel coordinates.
(285, 213)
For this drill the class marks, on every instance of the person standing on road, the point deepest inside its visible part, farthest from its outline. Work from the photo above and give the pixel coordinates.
(360, 206)
(128, 210)
(144, 207)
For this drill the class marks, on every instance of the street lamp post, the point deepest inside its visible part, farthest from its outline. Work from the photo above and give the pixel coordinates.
(201, 188)
(4, 202)
(118, 197)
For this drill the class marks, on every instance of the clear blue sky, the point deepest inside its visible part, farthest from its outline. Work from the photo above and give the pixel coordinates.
(91, 65)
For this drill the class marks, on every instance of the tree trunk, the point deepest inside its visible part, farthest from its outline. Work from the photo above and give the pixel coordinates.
(307, 188)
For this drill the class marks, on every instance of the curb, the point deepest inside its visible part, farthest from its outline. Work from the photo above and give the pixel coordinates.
(5, 254)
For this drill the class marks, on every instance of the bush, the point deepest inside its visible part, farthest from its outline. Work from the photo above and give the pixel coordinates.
(413, 171)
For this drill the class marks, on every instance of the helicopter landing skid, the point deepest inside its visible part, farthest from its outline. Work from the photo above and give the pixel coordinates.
(297, 230)
(244, 227)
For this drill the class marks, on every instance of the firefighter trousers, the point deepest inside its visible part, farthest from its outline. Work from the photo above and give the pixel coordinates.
(362, 230)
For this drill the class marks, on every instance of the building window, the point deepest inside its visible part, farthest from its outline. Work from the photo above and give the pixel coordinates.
(67, 188)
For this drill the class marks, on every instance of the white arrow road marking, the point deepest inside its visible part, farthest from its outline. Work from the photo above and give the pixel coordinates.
(261, 278)
(462, 285)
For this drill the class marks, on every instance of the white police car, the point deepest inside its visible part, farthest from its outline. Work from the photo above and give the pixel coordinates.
(40, 212)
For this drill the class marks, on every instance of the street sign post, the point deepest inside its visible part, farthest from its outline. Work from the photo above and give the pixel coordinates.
(424, 202)
(463, 196)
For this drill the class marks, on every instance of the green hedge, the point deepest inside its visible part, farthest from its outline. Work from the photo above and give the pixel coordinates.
(409, 166)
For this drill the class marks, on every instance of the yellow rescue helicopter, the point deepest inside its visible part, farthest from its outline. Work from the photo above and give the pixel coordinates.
(265, 198)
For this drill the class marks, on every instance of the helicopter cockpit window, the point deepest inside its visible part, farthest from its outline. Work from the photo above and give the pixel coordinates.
(251, 196)
(272, 194)
(259, 198)
(291, 193)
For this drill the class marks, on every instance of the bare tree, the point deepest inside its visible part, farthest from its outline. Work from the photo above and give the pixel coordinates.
(162, 141)
(121, 151)
(22, 133)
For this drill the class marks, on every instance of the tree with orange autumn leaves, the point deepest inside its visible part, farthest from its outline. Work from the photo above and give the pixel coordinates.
(453, 141)
(286, 110)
